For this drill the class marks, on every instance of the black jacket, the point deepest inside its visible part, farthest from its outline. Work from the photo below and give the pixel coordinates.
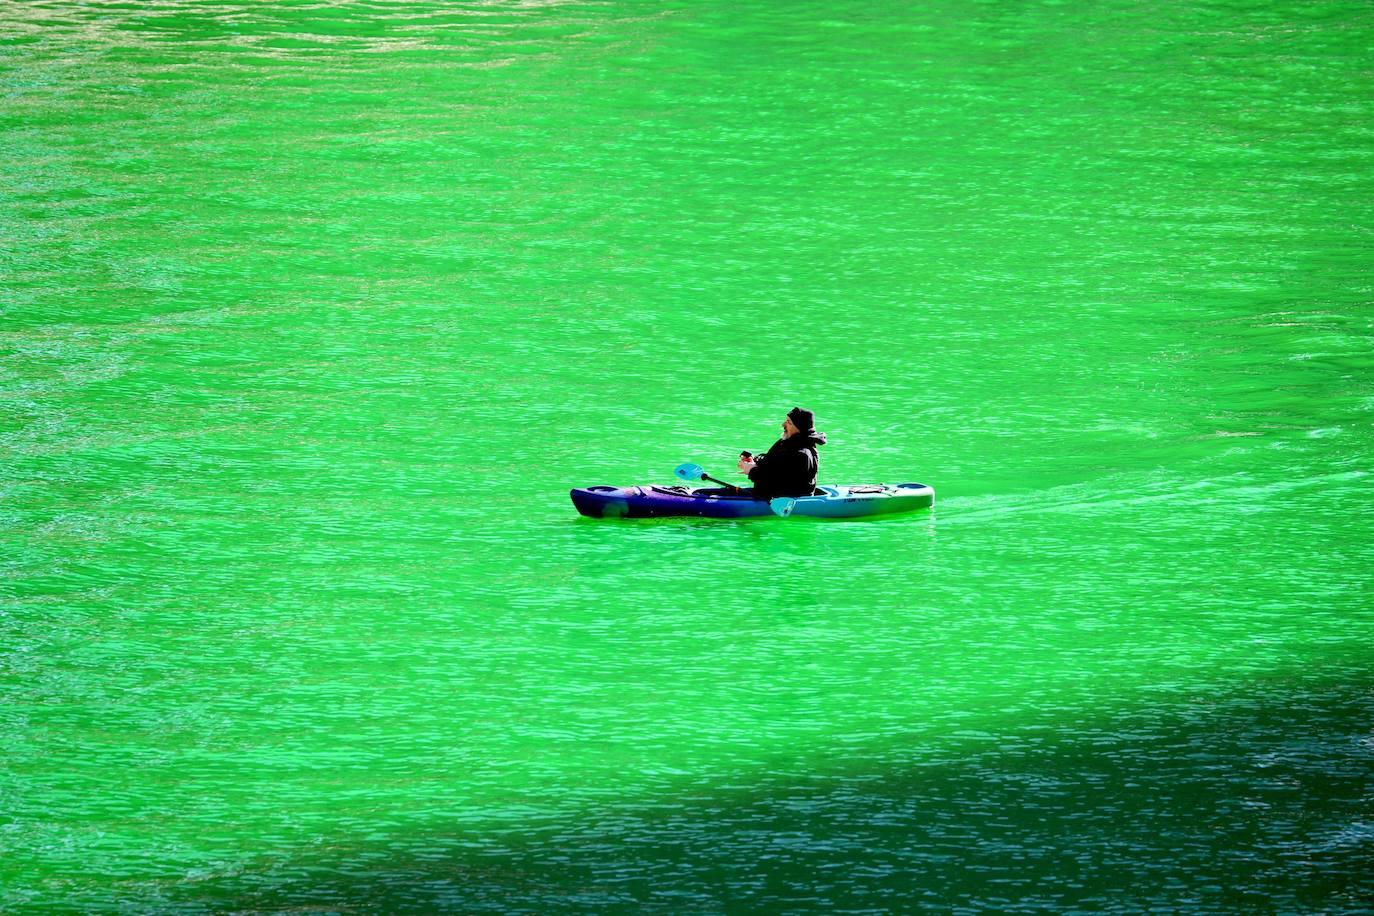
(789, 467)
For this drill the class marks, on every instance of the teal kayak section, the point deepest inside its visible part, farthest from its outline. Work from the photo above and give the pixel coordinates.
(856, 502)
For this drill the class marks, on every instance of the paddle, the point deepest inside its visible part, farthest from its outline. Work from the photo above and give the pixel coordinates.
(781, 505)
(697, 472)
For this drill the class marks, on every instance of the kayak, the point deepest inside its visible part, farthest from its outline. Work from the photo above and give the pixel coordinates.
(721, 502)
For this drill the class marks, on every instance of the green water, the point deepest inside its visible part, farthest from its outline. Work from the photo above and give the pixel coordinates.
(310, 315)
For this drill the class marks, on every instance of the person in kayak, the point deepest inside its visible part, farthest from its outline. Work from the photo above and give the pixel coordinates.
(789, 467)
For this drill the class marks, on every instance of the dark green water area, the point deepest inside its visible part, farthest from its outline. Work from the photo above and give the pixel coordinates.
(312, 312)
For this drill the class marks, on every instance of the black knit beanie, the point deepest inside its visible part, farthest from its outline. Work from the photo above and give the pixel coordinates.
(804, 420)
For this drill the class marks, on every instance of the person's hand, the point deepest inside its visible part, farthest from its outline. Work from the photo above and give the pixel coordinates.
(745, 465)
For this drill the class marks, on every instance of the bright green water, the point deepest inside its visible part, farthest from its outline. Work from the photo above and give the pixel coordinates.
(312, 313)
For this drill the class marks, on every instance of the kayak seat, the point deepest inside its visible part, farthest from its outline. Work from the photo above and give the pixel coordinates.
(722, 493)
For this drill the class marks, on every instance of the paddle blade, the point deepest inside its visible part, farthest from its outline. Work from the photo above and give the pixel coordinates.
(782, 505)
(689, 472)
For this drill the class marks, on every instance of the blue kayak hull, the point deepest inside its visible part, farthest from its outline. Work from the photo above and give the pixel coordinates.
(717, 502)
